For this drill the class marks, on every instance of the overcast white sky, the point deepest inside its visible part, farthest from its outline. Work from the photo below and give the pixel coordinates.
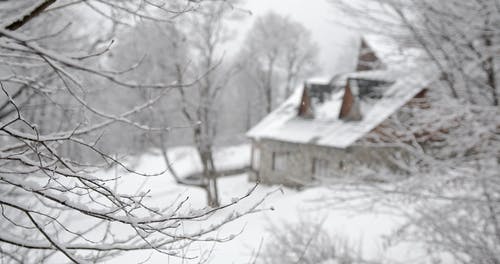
(318, 16)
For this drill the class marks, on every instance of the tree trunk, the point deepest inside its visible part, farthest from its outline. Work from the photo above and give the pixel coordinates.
(213, 181)
(269, 86)
(210, 177)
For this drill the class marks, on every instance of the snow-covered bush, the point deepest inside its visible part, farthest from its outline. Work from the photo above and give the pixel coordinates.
(304, 242)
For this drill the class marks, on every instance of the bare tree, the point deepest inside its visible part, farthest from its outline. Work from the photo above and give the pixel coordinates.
(43, 189)
(450, 136)
(279, 52)
(460, 39)
(155, 46)
(206, 35)
(450, 199)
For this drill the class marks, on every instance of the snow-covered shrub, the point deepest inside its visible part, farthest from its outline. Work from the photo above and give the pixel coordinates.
(305, 242)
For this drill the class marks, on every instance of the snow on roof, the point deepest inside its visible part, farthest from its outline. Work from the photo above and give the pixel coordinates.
(383, 46)
(391, 53)
(379, 75)
(331, 108)
(278, 117)
(283, 124)
(319, 79)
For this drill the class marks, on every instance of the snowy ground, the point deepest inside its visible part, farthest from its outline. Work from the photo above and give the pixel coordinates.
(186, 162)
(365, 230)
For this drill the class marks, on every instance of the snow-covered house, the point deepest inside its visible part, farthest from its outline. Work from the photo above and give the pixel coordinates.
(318, 131)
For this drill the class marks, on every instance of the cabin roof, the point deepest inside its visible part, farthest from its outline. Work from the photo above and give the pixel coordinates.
(326, 129)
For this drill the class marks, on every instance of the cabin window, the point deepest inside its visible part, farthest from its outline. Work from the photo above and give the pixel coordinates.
(280, 160)
(321, 168)
(341, 165)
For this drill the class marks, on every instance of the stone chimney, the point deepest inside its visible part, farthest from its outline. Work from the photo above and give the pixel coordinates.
(351, 109)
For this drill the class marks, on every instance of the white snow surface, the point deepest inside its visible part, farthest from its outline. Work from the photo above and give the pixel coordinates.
(330, 109)
(364, 229)
(186, 162)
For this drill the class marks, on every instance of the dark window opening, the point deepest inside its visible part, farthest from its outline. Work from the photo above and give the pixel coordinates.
(321, 168)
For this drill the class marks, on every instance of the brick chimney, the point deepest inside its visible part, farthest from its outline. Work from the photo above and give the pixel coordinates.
(367, 59)
(305, 108)
(350, 110)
